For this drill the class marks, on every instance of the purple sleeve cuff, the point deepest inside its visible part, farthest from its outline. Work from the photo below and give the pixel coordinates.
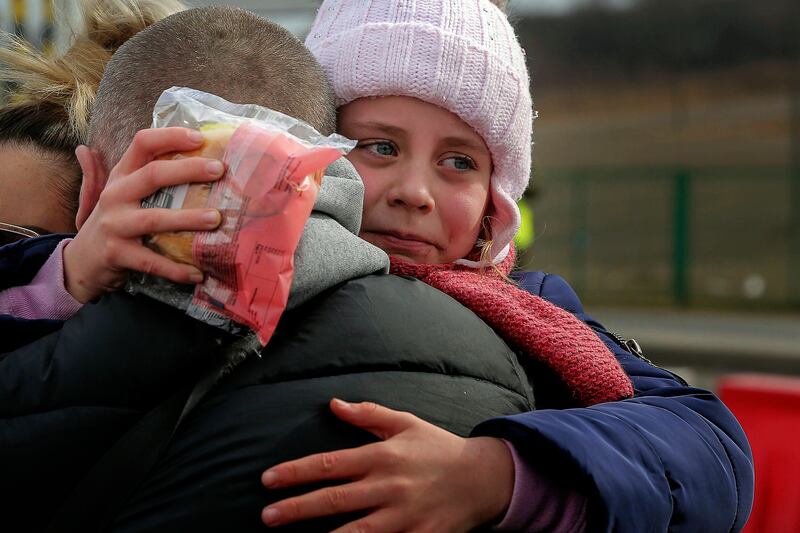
(45, 297)
(539, 503)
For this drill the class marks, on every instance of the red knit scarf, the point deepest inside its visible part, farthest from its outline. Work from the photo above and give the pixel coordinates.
(532, 326)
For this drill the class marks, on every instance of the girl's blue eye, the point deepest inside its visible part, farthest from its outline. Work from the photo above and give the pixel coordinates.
(460, 163)
(382, 148)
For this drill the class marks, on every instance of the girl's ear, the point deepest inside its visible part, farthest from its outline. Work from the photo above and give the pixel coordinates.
(93, 183)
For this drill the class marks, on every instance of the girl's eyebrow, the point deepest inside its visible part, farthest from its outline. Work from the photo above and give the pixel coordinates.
(396, 131)
(383, 128)
(464, 142)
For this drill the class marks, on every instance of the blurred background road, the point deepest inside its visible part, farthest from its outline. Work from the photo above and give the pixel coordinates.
(702, 346)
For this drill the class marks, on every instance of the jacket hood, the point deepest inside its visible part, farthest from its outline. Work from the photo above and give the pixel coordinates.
(330, 250)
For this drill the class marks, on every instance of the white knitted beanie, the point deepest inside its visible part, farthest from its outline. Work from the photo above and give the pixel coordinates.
(461, 55)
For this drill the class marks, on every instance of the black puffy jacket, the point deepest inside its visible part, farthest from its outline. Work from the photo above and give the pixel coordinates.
(397, 341)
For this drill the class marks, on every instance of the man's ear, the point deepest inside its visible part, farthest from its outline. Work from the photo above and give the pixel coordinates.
(93, 183)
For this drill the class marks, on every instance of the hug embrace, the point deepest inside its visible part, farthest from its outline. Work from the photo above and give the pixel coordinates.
(411, 384)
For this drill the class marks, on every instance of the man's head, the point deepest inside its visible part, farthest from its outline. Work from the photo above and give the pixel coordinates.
(226, 51)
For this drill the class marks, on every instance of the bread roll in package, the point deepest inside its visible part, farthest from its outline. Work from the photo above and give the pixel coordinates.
(274, 166)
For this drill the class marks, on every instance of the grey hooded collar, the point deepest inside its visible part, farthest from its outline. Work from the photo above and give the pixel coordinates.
(330, 250)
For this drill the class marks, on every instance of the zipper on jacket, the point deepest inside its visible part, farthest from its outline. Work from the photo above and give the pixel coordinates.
(631, 345)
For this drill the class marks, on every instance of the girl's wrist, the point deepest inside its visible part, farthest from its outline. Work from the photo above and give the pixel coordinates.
(496, 481)
(75, 283)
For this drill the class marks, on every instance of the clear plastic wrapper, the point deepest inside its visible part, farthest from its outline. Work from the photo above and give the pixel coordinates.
(274, 166)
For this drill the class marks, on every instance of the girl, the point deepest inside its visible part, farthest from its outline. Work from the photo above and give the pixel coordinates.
(436, 93)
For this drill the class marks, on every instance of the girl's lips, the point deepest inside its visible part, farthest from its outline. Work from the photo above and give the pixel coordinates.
(394, 242)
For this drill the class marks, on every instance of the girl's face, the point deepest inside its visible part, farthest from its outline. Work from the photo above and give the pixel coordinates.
(426, 177)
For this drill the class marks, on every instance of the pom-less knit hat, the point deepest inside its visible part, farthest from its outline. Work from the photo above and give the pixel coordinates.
(461, 55)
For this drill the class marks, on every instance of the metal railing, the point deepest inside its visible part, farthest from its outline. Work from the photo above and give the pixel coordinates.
(721, 237)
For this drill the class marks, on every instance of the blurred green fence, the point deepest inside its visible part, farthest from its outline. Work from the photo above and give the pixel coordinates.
(722, 237)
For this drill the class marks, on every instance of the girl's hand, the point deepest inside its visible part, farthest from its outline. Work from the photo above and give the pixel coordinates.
(419, 478)
(109, 243)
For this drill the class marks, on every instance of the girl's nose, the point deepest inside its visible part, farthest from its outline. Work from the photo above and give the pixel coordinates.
(411, 192)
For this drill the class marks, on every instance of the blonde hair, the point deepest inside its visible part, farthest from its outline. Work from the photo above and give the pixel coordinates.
(69, 82)
(50, 98)
(483, 251)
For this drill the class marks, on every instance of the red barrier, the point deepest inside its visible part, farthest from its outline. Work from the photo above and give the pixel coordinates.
(768, 407)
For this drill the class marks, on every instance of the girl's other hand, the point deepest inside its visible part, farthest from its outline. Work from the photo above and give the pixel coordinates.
(109, 243)
(419, 478)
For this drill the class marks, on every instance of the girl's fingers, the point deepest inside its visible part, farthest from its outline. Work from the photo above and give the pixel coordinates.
(137, 222)
(163, 173)
(382, 521)
(151, 143)
(340, 464)
(323, 502)
(141, 259)
(377, 419)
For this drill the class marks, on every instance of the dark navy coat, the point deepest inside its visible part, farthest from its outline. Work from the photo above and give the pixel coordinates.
(19, 263)
(673, 458)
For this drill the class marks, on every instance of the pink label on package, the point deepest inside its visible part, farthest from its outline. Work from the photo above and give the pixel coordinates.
(265, 198)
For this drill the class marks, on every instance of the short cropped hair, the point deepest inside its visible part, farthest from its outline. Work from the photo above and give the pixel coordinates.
(223, 50)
